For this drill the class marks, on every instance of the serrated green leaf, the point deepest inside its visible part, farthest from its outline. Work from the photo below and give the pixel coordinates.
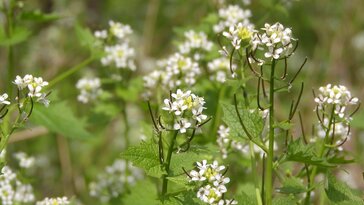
(144, 192)
(253, 122)
(292, 185)
(297, 151)
(285, 200)
(145, 156)
(340, 193)
(18, 35)
(59, 118)
(187, 159)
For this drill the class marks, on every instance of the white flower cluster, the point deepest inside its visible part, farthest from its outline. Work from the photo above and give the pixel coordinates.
(177, 71)
(338, 96)
(231, 16)
(219, 69)
(33, 86)
(54, 201)
(117, 50)
(275, 40)
(195, 42)
(340, 130)
(112, 182)
(213, 189)
(90, 89)
(12, 191)
(25, 161)
(3, 100)
(186, 107)
(224, 142)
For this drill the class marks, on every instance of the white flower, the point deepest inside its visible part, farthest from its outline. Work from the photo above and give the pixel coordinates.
(34, 87)
(111, 183)
(276, 41)
(90, 89)
(54, 201)
(101, 34)
(119, 30)
(182, 125)
(195, 41)
(25, 161)
(219, 69)
(120, 55)
(230, 16)
(3, 98)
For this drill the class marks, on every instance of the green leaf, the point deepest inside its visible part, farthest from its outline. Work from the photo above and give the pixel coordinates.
(284, 200)
(59, 118)
(38, 16)
(144, 192)
(292, 185)
(340, 193)
(19, 35)
(253, 122)
(145, 155)
(284, 125)
(132, 92)
(187, 159)
(189, 198)
(297, 151)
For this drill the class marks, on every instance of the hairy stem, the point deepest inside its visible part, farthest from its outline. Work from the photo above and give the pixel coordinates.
(269, 169)
(255, 174)
(215, 123)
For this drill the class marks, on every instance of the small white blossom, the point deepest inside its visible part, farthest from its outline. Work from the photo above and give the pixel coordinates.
(219, 69)
(111, 183)
(195, 41)
(101, 34)
(54, 201)
(231, 16)
(120, 55)
(34, 87)
(119, 30)
(25, 161)
(90, 89)
(3, 98)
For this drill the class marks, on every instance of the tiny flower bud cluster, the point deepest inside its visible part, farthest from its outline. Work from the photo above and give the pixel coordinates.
(12, 191)
(54, 201)
(338, 96)
(187, 109)
(194, 43)
(117, 50)
(219, 69)
(33, 87)
(275, 40)
(213, 189)
(111, 183)
(90, 89)
(177, 71)
(231, 16)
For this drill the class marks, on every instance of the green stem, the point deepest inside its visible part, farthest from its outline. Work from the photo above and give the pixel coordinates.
(255, 174)
(71, 71)
(321, 153)
(216, 119)
(10, 54)
(269, 169)
(168, 162)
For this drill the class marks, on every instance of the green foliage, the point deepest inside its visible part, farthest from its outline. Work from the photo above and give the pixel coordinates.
(284, 200)
(59, 118)
(132, 92)
(145, 156)
(292, 185)
(297, 151)
(188, 159)
(341, 194)
(18, 35)
(144, 192)
(38, 16)
(253, 122)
